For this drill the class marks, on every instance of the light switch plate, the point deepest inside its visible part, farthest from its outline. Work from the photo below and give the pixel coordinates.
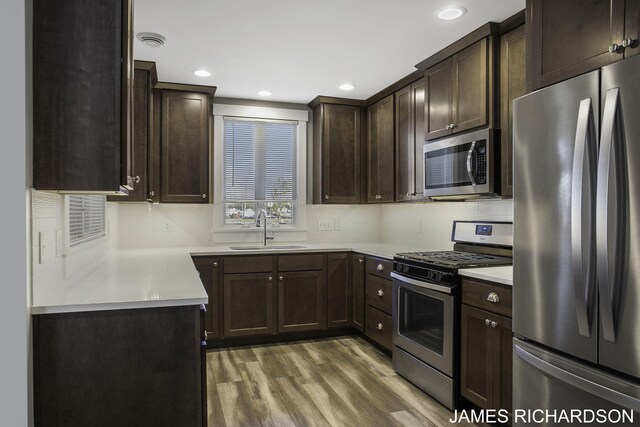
(167, 227)
(337, 224)
(325, 224)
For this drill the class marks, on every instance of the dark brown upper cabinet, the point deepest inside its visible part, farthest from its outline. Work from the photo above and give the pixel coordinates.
(456, 92)
(145, 78)
(339, 290)
(380, 151)
(409, 141)
(184, 168)
(337, 159)
(513, 84)
(631, 42)
(82, 96)
(568, 38)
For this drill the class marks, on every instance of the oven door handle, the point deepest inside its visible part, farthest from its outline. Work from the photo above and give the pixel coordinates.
(421, 284)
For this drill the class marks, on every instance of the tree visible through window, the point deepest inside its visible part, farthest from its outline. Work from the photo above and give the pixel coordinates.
(259, 170)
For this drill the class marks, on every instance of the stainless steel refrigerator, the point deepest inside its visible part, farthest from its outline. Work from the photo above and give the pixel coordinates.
(576, 310)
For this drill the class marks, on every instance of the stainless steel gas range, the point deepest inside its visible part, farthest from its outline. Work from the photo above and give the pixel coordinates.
(426, 305)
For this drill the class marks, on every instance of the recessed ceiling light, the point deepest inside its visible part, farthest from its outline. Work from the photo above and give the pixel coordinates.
(450, 13)
(264, 93)
(347, 86)
(151, 39)
(202, 73)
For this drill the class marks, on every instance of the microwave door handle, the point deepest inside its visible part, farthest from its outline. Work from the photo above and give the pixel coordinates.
(607, 261)
(582, 216)
(469, 168)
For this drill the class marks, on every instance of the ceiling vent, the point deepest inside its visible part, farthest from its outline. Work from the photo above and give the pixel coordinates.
(151, 39)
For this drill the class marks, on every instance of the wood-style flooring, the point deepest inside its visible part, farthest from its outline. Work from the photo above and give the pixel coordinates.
(331, 382)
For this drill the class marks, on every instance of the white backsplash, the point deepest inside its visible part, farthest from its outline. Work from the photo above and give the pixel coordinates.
(425, 226)
(47, 222)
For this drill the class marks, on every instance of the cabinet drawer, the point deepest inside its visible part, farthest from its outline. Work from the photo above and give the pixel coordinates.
(477, 294)
(379, 293)
(380, 267)
(378, 327)
(301, 262)
(248, 264)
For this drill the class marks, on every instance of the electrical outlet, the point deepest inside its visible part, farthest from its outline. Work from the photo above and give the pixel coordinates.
(337, 224)
(325, 224)
(167, 227)
(42, 242)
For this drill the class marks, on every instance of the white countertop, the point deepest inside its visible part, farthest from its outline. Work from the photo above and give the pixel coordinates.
(144, 278)
(502, 275)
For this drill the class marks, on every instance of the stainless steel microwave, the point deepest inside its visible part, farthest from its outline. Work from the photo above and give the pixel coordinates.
(461, 167)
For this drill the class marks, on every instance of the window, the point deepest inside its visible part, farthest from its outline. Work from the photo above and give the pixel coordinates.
(259, 170)
(86, 218)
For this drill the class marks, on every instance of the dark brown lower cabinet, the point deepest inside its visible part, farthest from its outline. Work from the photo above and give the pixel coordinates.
(249, 304)
(486, 358)
(358, 274)
(139, 367)
(339, 290)
(301, 301)
(209, 271)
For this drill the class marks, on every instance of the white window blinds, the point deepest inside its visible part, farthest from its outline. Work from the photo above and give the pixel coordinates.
(86, 218)
(259, 160)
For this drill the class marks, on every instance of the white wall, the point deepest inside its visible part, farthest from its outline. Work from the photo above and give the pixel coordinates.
(14, 169)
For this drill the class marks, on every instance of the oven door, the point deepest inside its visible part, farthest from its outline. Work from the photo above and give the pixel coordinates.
(423, 322)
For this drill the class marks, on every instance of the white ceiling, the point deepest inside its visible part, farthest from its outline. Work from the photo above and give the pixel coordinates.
(299, 49)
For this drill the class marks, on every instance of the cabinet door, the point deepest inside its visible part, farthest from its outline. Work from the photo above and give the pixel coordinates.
(249, 304)
(140, 137)
(438, 100)
(632, 28)
(381, 151)
(417, 107)
(209, 271)
(358, 275)
(185, 147)
(405, 143)
(503, 363)
(512, 85)
(476, 382)
(569, 38)
(339, 290)
(82, 95)
(469, 73)
(340, 154)
(301, 301)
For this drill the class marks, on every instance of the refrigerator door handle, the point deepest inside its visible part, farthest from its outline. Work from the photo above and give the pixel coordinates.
(577, 381)
(608, 258)
(582, 216)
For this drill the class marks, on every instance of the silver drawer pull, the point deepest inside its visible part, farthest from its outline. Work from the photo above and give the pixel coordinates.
(487, 322)
(380, 292)
(493, 297)
(379, 326)
(380, 267)
(494, 324)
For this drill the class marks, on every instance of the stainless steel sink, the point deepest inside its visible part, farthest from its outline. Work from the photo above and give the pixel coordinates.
(262, 248)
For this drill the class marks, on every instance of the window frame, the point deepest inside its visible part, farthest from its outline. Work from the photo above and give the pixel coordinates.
(68, 247)
(262, 204)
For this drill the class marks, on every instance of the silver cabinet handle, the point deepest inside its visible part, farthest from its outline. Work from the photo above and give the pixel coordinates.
(494, 324)
(380, 292)
(629, 43)
(493, 297)
(379, 326)
(206, 335)
(215, 264)
(135, 179)
(582, 216)
(360, 260)
(326, 197)
(606, 256)
(453, 126)
(447, 127)
(270, 279)
(487, 322)
(281, 278)
(380, 267)
(152, 193)
(204, 196)
(615, 48)
(409, 194)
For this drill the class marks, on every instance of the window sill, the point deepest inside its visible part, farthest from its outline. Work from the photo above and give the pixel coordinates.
(259, 230)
